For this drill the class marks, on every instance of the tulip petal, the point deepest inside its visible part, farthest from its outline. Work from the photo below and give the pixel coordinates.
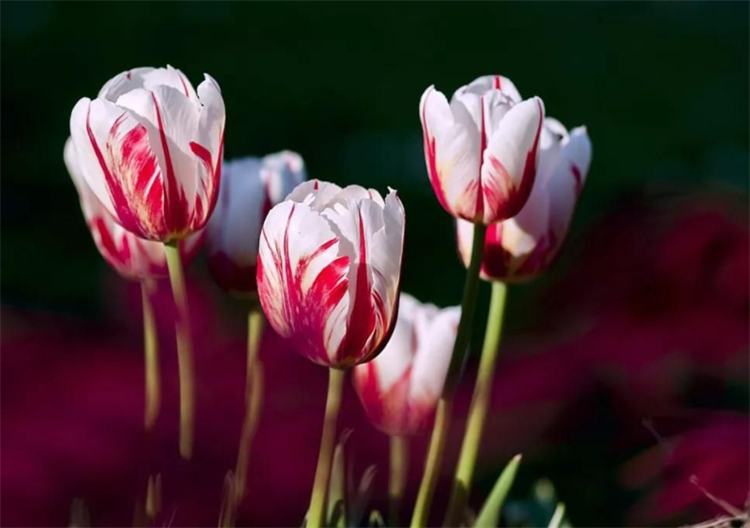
(482, 85)
(235, 225)
(302, 280)
(567, 179)
(452, 153)
(119, 165)
(123, 83)
(171, 77)
(436, 332)
(510, 160)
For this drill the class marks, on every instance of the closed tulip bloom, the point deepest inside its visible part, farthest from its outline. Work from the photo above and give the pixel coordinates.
(131, 256)
(520, 248)
(329, 271)
(400, 388)
(150, 148)
(482, 148)
(250, 187)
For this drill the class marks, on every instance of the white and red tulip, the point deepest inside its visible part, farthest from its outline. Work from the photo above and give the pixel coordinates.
(482, 148)
(400, 388)
(131, 256)
(150, 148)
(522, 247)
(250, 188)
(329, 271)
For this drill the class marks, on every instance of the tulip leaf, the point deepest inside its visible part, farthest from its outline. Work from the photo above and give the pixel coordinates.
(490, 513)
(558, 516)
(336, 489)
(362, 497)
(376, 520)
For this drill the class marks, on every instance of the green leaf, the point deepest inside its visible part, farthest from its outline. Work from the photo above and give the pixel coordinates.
(376, 520)
(336, 513)
(557, 517)
(490, 513)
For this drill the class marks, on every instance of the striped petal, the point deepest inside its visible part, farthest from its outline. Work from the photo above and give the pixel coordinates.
(250, 188)
(119, 165)
(524, 246)
(452, 153)
(401, 387)
(510, 160)
(481, 149)
(151, 150)
(131, 256)
(325, 246)
(486, 83)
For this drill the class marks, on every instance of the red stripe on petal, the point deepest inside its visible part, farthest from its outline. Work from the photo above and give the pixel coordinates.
(176, 209)
(431, 158)
(361, 322)
(184, 86)
(479, 207)
(497, 82)
(123, 208)
(578, 177)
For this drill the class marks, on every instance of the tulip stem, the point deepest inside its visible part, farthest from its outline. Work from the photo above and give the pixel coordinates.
(468, 307)
(458, 359)
(479, 407)
(399, 459)
(151, 356)
(316, 514)
(184, 349)
(253, 398)
(432, 464)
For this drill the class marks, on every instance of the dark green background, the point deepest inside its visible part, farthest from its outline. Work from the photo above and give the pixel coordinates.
(662, 87)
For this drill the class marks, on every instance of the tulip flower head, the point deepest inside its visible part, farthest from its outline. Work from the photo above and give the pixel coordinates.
(520, 248)
(329, 271)
(481, 149)
(400, 388)
(250, 188)
(150, 148)
(131, 256)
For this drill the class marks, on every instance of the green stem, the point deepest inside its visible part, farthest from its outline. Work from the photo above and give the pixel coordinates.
(399, 467)
(432, 464)
(458, 358)
(479, 407)
(151, 352)
(316, 514)
(468, 307)
(253, 398)
(184, 349)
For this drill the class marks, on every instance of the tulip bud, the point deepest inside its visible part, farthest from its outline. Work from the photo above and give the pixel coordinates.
(520, 248)
(400, 388)
(131, 256)
(482, 148)
(250, 187)
(329, 271)
(150, 149)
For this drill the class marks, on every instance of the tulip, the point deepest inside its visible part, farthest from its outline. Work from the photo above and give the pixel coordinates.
(481, 149)
(329, 274)
(514, 250)
(329, 271)
(482, 152)
(401, 387)
(522, 247)
(250, 187)
(131, 256)
(150, 148)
